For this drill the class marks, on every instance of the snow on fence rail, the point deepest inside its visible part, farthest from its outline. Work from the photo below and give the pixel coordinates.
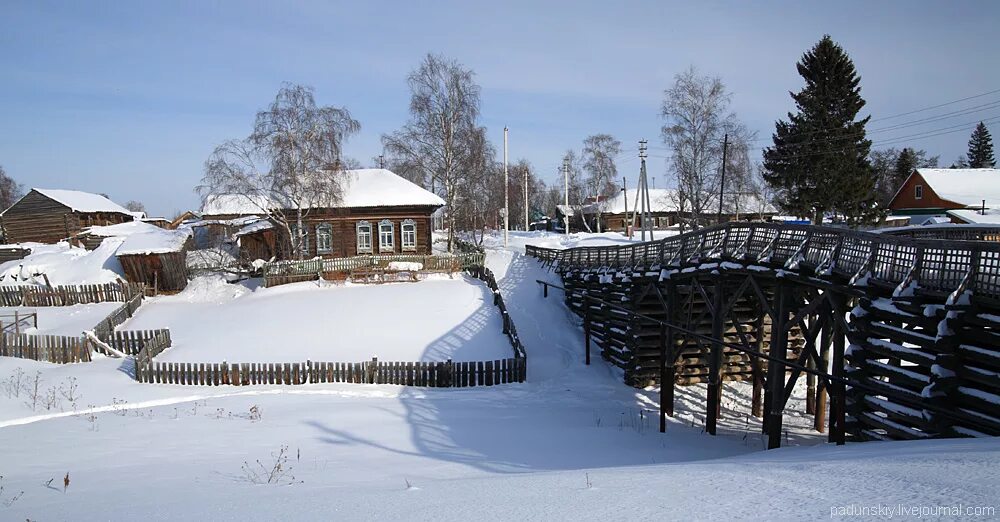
(448, 374)
(943, 265)
(22, 295)
(284, 272)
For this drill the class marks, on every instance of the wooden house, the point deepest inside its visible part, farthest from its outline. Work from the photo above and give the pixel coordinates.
(379, 213)
(50, 216)
(956, 195)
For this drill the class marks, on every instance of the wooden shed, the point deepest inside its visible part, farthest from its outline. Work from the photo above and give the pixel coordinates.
(51, 215)
(157, 258)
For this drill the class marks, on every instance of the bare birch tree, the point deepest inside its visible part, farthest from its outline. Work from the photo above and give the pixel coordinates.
(10, 190)
(697, 112)
(439, 139)
(291, 163)
(599, 152)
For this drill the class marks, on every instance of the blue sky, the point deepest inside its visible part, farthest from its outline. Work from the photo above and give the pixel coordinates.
(129, 98)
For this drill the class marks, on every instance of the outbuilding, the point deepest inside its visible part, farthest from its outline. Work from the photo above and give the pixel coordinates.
(53, 215)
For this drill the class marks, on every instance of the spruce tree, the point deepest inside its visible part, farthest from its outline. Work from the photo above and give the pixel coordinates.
(819, 161)
(981, 148)
(906, 162)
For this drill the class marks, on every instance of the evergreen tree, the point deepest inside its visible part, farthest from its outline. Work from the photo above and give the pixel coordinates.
(906, 162)
(819, 161)
(981, 149)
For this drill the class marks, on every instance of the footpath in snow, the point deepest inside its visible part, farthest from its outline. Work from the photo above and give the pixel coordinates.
(571, 443)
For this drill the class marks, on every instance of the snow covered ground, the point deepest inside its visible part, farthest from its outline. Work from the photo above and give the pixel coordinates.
(432, 320)
(64, 265)
(571, 443)
(62, 320)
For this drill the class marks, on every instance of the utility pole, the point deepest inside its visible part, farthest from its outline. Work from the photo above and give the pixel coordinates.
(381, 161)
(628, 224)
(643, 193)
(525, 199)
(566, 192)
(506, 191)
(722, 182)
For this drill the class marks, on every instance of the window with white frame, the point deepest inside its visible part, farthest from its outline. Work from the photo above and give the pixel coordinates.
(408, 233)
(918, 191)
(324, 238)
(385, 233)
(364, 233)
(300, 240)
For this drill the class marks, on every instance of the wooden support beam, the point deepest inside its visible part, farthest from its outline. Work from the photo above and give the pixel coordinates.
(714, 399)
(776, 368)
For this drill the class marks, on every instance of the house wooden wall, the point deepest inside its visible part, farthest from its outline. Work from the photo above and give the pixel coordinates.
(38, 218)
(343, 223)
(906, 197)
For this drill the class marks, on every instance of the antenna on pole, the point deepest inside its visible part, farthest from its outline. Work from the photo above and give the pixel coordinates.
(525, 199)
(506, 191)
(565, 169)
(644, 217)
(722, 181)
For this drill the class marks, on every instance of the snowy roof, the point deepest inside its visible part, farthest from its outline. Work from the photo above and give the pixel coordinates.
(154, 241)
(660, 200)
(83, 201)
(256, 226)
(991, 217)
(965, 186)
(361, 188)
(122, 229)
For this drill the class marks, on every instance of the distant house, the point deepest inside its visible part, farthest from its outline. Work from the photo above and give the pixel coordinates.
(664, 212)
(379, 213)
(50, 216)
(957, 195)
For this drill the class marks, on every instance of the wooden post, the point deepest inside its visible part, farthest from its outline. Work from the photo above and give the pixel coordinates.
(776, 367)
(714, 402)
(819, 422)
(838, 392)
(545, 290)
(586, 325)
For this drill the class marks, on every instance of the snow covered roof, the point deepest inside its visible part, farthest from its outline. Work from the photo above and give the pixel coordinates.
(965, 186)
(256, 226)
(83, 201)
(122, 229)
(154, 241)
(361, 188)
(660, 200)
(991, 217)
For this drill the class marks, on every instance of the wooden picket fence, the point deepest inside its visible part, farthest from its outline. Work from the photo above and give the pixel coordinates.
(50, 348)
(131, 342)
(23, 295)
(106, 327)
(285, 272)
(146, 345)
(446, 374)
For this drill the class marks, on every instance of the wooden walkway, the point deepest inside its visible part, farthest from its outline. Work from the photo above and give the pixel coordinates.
(751, 301)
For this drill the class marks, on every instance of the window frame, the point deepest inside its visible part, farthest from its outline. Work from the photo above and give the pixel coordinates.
(392, 236)
(322, 228)
(357, 236)
(402, 235)
(918, 192)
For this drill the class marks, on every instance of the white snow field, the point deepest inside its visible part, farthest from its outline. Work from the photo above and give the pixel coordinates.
(432, 320)
(61, 320)
(572, 443)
